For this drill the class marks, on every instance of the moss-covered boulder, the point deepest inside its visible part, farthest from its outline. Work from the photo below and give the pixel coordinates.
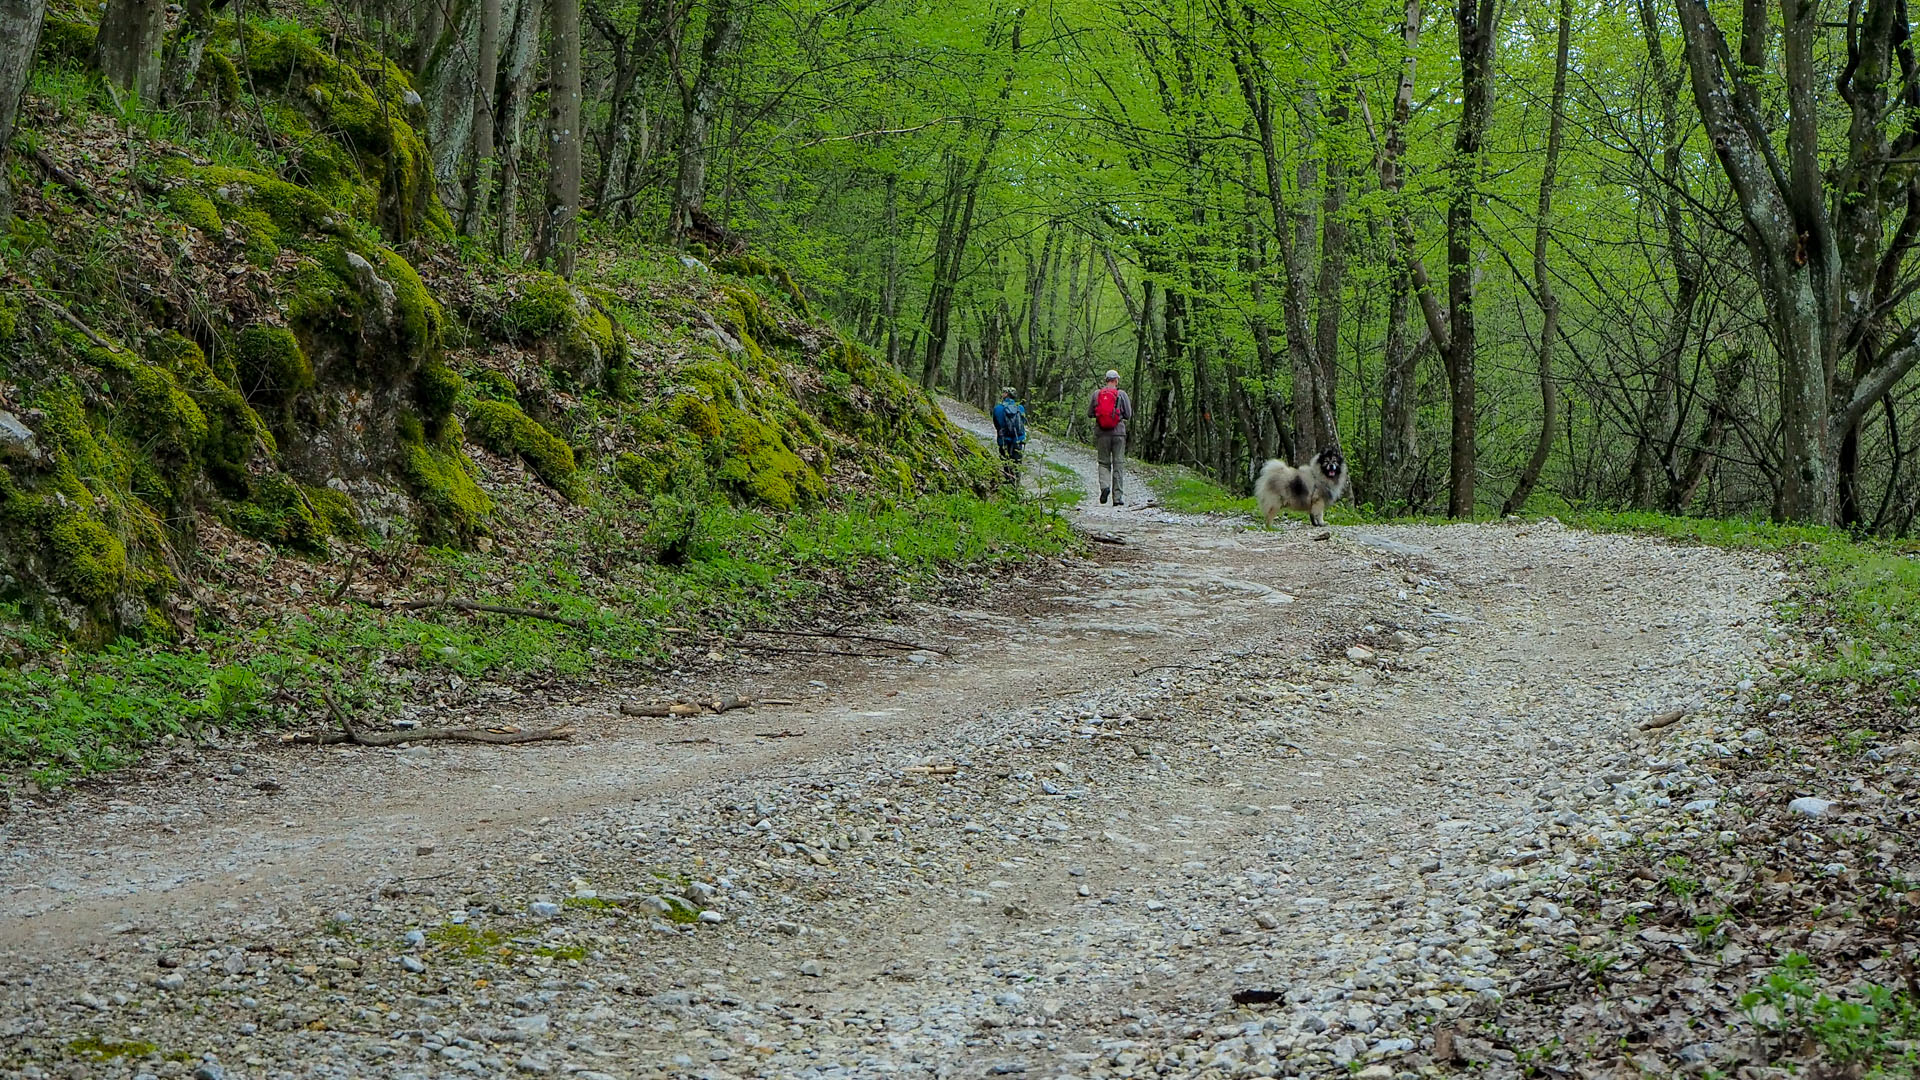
(502, 428)
(361, 102)
(577, 341)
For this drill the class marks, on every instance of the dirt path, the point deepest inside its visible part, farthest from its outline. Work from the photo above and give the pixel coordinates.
(1210, 759)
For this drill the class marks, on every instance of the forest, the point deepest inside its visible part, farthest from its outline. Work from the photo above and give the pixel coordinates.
(1649, 255)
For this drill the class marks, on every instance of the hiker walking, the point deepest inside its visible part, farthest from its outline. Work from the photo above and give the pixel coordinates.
(1010, 429)
(1110, 409)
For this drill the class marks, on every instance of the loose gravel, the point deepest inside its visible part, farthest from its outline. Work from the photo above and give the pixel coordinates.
(1360, 805)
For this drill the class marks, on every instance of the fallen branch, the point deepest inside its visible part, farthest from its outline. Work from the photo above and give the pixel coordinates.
(1665, 719)
(491, 609)
(346, 582)
(783, 733)
(1104, 538)
(349, 735)
(396, 738)
(931, 770)
(72, 320)
(675, 709)
(66, 179)
(845, 635)
(797, 651)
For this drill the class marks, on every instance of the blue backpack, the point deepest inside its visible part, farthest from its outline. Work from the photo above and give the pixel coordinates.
(1015, 418)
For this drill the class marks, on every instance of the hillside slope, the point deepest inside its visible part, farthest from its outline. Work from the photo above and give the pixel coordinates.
(250, 376)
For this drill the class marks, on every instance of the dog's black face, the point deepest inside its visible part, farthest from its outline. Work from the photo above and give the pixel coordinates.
(1332, 465)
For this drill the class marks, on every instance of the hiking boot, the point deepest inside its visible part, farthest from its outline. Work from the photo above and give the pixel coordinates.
(1104, 492)
(1119, 502)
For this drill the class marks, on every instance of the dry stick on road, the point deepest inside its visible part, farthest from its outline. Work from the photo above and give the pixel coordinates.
(846, 635)
(491, 609)
(1665, 719)
(349, 735)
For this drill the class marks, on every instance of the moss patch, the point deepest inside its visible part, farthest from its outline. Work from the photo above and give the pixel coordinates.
(584, 341)
(505, 430)
(271, 363)
(285, 514)
(444, 483)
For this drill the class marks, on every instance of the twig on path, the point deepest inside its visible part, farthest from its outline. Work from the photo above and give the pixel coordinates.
(848, 635)
(491, 609)
(674, 709)
(348, 734)
(1665, 719)
(799, 651)
(1106, 538)
(783, 733)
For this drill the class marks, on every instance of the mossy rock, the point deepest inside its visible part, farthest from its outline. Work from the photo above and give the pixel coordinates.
(66, 41)
(281, 513)
(438, 388)
(194, 208)
(273, 210)
(753, 266)
(219, 77)
(584, 342)
(505, 430)
(165, 421)
(366, 304)
(87, 558)
(454, 508)
(362, 102)
(490, 385)
(270, 363)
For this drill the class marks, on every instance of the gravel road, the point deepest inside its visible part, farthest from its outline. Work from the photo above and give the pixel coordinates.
(1351, 775)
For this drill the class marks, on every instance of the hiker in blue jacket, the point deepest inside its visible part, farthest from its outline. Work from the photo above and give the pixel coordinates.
(1010, 427)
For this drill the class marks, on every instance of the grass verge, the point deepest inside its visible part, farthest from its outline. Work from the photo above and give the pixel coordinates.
(66, 713)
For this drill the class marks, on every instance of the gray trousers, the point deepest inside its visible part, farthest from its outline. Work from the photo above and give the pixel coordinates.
(1110, 450)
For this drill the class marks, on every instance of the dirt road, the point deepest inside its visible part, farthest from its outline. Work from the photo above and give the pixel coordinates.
(1343, 767)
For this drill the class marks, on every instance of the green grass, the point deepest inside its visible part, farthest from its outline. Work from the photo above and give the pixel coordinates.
(1873, 1029)
(66, 713)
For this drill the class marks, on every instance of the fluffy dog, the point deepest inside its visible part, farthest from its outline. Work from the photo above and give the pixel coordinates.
(1280, 486)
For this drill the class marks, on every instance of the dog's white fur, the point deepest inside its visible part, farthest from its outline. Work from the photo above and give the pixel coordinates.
(1280, 486)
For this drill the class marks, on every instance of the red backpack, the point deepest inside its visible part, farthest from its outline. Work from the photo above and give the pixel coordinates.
(1106, 408)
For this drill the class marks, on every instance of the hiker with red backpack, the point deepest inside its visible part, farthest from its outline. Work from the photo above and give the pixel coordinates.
(1110, 409)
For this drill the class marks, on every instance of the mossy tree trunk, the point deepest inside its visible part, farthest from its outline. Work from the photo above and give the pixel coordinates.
(701, 101)
(522, 49)
(127, 51)
(185, 53)
(19, 39)
(560, 224)
(486, 74)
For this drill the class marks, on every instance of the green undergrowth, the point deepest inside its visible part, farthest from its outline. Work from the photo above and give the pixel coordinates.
(67, 714)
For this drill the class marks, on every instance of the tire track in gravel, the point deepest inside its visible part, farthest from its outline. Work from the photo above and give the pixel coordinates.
(1171, 780)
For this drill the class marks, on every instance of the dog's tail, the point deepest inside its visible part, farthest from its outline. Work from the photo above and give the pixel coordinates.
(1272, 465)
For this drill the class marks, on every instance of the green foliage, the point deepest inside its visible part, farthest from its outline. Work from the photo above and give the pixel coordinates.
(1872, 1029)
(505, 430)
(66, 41)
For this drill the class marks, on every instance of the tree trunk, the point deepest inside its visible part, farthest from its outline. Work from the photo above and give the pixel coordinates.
(19, 39)
(701, 101)
(185, 53)
(1720, 411)
(1653, 452)
(486, 76)
(1475, 20)
(1542, 280)
(1331, 287)
(560, 225)
(517, 90)
(127, 50)
(890, 287)
(1399, 390)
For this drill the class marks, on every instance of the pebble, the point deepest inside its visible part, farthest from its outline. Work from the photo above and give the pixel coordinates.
(1809, 806)
(543, 909)
(413, 964)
